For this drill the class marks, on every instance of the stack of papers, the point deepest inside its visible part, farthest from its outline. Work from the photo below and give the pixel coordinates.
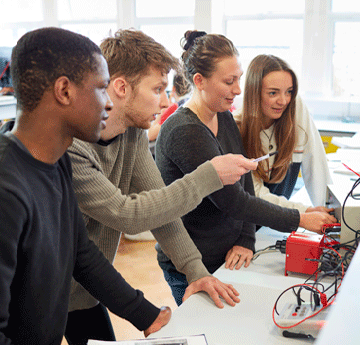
(186, 340)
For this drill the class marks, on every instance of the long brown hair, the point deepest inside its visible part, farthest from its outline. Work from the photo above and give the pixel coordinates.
(251, 120)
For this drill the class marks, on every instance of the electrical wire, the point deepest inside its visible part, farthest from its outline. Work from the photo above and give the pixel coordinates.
(302, 286)
(3, 72)
(331, 264)
(357, 182)
(269, 249)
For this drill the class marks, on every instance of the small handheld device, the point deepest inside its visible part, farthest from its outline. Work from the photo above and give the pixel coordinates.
(292, 314)
(265, 157)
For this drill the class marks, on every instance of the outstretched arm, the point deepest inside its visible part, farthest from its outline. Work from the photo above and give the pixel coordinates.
(189, 146)
(147, 203)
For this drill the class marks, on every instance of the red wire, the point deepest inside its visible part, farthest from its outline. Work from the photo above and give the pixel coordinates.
(351, 169)
(322, 295)
(325, 226)
(6, 67)
(298, 323)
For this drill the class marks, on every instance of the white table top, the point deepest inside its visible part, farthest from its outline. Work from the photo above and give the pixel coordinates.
(250, 321)
(259, 285)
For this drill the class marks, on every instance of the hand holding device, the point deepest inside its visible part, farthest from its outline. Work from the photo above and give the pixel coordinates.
(231, 167)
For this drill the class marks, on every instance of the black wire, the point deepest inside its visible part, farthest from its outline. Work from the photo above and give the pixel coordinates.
(330, 264)
(262, 250)
(357, 182)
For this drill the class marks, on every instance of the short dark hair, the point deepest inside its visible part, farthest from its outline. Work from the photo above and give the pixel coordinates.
(130, 53)
(42, 56)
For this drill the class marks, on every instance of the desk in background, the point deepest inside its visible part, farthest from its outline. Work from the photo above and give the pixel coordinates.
(337, 128)
(330, 130)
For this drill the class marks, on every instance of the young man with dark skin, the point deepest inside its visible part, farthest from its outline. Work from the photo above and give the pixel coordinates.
(60, 80)
(119, 187)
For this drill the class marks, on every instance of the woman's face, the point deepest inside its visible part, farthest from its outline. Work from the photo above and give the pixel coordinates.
(219, 91)
(276, 91)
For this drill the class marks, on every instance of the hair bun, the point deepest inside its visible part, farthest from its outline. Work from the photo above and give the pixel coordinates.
(191, 36)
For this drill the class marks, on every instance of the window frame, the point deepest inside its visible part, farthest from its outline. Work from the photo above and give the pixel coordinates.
(316, 79)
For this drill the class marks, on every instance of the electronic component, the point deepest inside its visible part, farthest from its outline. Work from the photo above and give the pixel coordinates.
(303, 250)
(292, 314)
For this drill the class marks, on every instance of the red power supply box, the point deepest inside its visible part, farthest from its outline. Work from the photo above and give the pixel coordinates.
(300, 247)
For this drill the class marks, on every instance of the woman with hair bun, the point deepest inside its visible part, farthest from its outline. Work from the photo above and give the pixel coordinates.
(273, 118)
(223, 225)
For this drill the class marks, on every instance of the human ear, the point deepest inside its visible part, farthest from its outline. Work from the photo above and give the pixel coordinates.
(120, 87)
(198, 80)
(62, 90)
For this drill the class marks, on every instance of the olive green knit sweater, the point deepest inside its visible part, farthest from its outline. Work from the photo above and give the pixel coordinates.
(120, 189)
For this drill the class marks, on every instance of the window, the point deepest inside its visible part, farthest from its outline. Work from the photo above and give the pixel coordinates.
(266, 27)
(345, 6)
(16, 11)
(346, 50)
(316, 38)
(80, 10)
(164, 8)
(265, 7)
(95, 31)
(165, 21)
(169, 35)
(18, 17)
(94, 19)
(278, 37)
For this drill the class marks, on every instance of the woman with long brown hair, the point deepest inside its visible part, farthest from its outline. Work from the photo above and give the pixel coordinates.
(223, 225)
(274, 118)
